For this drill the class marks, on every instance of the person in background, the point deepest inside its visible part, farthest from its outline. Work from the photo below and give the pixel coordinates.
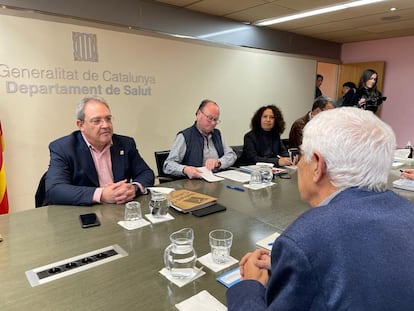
(367, 96)
(408, 173)
(354, 249)
(94, 165)
(200, 145)
(263, 143)
(348, 92)
(319, 80)
(320, 104)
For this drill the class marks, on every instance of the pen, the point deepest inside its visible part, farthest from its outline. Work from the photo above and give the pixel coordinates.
(235, 188)
(402, 171)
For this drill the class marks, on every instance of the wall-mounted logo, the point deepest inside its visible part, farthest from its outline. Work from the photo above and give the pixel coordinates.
(85, 48)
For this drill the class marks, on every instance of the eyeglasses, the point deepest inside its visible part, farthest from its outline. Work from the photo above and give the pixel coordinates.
(210, 118)
(98, 121)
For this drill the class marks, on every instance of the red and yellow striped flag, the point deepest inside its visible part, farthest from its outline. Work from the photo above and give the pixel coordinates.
(4, 202)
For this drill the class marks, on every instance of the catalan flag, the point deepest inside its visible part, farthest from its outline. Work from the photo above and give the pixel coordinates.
(4, 202)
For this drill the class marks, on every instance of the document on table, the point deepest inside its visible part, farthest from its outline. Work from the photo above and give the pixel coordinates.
(208, 175)
(234, 175)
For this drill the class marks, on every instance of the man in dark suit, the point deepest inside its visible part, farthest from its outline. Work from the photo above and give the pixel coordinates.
(354, 249)
(93, 165)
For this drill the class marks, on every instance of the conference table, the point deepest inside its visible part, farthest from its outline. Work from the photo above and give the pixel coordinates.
(41, 236)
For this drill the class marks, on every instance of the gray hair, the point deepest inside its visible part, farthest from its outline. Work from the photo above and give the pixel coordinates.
(357, 146)
(321, 102)
(80, 108)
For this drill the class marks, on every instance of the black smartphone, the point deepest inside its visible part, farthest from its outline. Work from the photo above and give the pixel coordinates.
(209, 210)
(89, 220)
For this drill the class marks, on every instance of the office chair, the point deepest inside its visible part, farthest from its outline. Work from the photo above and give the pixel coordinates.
(239, 151)
(160, 157)
(40, 196)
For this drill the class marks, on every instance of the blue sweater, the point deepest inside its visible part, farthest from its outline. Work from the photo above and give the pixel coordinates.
(356, 253)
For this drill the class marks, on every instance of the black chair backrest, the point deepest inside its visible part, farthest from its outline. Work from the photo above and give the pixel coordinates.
(40, 196)
(239, 151)
(160, 157)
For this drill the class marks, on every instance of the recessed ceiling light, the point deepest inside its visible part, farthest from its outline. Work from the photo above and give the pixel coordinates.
(343, 6)
(393, 9)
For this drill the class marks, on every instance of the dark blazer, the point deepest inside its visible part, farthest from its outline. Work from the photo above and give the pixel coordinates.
(355, 253)
(72, 178)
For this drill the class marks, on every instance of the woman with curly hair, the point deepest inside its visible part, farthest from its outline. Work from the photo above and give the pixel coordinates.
(263, 143)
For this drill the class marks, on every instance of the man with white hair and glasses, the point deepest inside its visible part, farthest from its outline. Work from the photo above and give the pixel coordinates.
(354, 250)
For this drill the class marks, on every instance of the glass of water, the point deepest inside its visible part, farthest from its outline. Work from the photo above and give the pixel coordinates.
(220, 243)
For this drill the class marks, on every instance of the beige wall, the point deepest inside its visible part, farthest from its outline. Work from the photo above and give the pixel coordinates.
(183, 72)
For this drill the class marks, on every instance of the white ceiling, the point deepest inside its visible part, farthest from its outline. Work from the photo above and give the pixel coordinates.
(369, 22)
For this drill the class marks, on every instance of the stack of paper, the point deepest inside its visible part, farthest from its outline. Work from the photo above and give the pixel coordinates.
(234, 175)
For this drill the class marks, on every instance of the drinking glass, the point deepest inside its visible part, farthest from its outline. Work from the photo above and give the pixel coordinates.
(255, 178)
(132, 213)
(220, 243)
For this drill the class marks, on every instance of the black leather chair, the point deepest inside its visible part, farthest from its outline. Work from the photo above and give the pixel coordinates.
(239, 151)
(160, 157)
(40, 196)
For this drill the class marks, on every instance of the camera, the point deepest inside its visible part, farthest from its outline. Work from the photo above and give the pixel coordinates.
(372, 103)
(375, 100)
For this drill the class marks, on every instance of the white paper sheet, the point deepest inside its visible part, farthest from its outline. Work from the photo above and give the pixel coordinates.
(207, 261)
(258, 186)
(234, 175)
(203, 301)
(267, 242)
(208, 175)
(155, 220)
(181, 282)
(164, 190)
(135, 225)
